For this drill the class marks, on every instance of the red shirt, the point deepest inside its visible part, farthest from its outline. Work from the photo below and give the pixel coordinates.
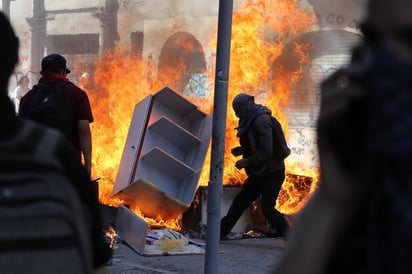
(79, 102)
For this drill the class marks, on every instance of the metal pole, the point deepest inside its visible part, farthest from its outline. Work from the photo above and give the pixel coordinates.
(218, 135)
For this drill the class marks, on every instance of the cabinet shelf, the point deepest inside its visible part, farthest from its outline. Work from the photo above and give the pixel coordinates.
(167, 164)
(181, 137)
(179, 105)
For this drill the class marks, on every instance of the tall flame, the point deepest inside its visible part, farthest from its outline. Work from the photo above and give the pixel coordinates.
(260, 29)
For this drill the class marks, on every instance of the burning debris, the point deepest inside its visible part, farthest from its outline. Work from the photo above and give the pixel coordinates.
(147, 241)
(160, 166)
(121, 79)
(295, 192)
(111, 236)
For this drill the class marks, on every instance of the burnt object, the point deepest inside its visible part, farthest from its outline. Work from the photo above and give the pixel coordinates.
(163, 155)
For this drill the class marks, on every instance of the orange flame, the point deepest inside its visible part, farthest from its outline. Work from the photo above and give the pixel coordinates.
(260, 28)
(111, 234)
(158, 222)
(253, 70)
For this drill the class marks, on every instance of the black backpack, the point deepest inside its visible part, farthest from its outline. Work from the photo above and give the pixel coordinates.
(43, 225)
(50, 106)
(280, 145)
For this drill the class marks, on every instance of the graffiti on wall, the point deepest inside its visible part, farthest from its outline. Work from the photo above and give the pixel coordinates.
(340, 20)
(24, 60)
(337, 14)
(303, 146)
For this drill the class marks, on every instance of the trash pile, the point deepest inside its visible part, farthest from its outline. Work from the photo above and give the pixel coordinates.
(167, 240)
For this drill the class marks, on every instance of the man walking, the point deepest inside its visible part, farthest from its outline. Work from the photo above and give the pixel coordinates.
(265, 169)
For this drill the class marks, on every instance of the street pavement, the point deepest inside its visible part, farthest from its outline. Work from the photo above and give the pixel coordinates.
(242, 256)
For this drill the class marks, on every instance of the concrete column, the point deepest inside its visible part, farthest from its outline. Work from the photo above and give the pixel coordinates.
(38, 35)
(108, 19)
(6, 7)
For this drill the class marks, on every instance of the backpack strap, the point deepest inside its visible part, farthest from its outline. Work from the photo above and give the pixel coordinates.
(280, 145)
(252, 134)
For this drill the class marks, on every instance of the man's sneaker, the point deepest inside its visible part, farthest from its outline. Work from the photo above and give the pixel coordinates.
(203, 230)
(231, 236)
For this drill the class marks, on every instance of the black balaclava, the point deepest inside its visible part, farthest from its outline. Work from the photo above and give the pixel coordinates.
(246, 110)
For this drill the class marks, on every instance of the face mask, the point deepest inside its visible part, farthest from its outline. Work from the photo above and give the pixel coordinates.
(243, 105)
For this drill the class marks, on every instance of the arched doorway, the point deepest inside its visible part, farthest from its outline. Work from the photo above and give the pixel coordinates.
(182, 64)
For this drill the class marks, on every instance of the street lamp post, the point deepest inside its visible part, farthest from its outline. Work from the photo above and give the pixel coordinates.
(218, 135)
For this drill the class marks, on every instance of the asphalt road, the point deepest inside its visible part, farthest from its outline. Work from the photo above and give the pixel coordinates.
(244, 256)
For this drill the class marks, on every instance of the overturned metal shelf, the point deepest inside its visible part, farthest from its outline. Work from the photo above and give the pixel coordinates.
(164, 154)
(152, 202)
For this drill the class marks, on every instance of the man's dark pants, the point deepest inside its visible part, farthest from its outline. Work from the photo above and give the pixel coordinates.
(267, 185)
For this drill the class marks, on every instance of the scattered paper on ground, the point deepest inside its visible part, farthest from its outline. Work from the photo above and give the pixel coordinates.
(169, 242)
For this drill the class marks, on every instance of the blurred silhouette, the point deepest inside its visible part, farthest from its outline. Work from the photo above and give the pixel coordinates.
(84, 81)
(21, 89)
(49, 215)
(359, 220)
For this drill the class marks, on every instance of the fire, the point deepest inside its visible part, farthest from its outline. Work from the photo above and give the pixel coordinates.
(297, 188)
(253, 71)
(120, 82)
(158, 222)
(111, 234)
(260, 29)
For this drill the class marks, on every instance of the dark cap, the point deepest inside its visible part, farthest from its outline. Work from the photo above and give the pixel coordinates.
(53, 63)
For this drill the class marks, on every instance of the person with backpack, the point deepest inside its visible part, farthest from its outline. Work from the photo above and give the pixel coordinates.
(263, 149)
(49, 215)
(58, 103)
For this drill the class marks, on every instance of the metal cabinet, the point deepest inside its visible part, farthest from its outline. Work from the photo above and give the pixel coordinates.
(163, 155)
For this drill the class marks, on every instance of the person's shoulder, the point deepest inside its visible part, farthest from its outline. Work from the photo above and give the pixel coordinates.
(72, 86)
(263, 123)
(76, 91)
(263, 118)
(30, 92)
